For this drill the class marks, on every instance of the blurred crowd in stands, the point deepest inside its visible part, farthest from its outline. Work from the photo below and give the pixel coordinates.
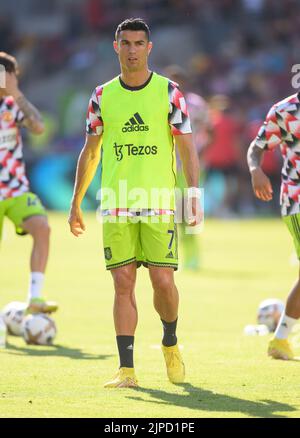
(236, 54)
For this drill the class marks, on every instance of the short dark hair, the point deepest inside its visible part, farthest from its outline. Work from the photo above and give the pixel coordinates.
(134, 24)
(9, 62)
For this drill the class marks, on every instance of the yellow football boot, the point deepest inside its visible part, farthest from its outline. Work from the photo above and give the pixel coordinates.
(125, 378)
(174, 364)
(39, 305)
(280, 349)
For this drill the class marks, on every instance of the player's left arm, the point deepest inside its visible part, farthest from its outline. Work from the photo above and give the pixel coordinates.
(190, 164)
(180, 126)
(189, 158)
(32, 118)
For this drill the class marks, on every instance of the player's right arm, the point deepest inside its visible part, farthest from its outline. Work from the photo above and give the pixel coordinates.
(269, 137)
(261, 184)
(86, 168)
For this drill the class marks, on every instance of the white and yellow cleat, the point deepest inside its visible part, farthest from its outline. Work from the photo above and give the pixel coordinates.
(39, 305)
(280, 349)
(125, 378)
(174, 364)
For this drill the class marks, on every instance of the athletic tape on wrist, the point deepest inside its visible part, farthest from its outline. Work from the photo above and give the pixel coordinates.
(194, 192)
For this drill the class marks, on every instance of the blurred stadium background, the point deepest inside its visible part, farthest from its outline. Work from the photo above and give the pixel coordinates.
(238, 55)
(241, 49)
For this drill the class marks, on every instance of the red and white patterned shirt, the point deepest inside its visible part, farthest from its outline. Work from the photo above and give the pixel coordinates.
(13, 181)
(179, 120)
(282, 128)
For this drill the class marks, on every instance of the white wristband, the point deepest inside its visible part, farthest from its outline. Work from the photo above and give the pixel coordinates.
(194, 192)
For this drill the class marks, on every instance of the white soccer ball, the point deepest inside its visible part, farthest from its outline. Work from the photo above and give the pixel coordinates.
(39, 329)
(13, 315)
(269, 313)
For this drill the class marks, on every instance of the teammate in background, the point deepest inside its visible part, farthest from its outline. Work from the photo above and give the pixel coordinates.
(136, 116)
(202, 135)
(17, 203)
(281, 128)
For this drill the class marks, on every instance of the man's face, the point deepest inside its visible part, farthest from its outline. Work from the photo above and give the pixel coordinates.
(133, 49)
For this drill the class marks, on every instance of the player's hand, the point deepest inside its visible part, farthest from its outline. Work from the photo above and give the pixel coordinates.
(75, 220)
(11, 85)
(195, 211)
(261, 185)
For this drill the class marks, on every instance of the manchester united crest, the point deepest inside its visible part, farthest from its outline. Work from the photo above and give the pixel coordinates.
(7, 116)
(107, 253)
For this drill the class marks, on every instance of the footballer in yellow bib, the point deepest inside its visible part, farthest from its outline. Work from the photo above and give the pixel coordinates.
(132, 123)
(138, 128)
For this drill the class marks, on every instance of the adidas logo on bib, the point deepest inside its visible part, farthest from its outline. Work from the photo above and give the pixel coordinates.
(135, 123)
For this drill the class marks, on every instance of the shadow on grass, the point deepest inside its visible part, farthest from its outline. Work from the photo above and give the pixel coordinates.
(54, 350)
(198, 399)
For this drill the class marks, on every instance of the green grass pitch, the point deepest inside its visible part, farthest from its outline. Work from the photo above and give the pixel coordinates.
(228, 373)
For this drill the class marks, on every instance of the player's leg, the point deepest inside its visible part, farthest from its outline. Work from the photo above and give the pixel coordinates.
(159, 243)
(29, 217)
(125, 320)
(166, 300)
(279, 347)
(165, 293)
(120, 240)
(125, 310)
(160, 246)
(38, 228)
